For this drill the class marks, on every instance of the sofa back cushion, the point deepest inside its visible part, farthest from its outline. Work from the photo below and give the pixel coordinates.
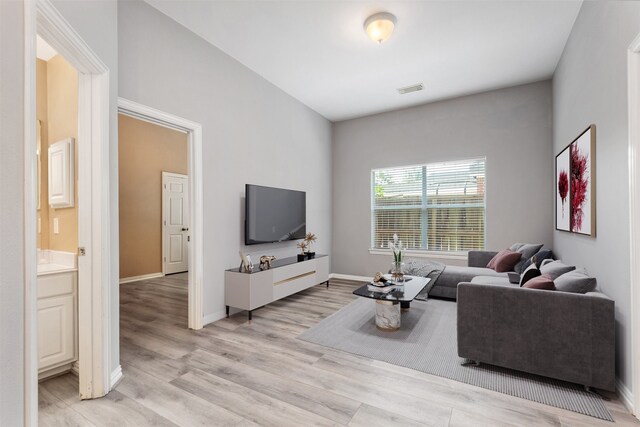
(504, 260)
(541, 282)
(577, 282)
(556, 269)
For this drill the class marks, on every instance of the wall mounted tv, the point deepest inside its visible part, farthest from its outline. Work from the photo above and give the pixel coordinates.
(274, 214)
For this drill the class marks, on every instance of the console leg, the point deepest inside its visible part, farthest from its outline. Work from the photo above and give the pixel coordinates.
(227, 311)
(250, 311)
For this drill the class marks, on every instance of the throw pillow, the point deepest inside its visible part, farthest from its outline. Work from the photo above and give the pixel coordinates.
(538, 258)
(541, 282)
(577, 282)
(556, 269)
(527, 250)
(530, 273)
(504, 260)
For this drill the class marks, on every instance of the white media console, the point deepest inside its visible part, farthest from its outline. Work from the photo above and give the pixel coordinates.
(251, 290)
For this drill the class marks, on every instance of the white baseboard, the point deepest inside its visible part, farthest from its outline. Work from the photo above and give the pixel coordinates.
(138, 278)
(625, 395)
(349, 277)
(213, 317)
(116, 376)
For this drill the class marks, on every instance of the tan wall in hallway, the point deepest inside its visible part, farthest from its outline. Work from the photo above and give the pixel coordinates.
(145, 150)
(41, 115)
(62, 111)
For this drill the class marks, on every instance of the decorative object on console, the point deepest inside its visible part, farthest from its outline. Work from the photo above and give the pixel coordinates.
(265, 261)
(309, 239)
(302, 246)
(245, 263)
(575, 185)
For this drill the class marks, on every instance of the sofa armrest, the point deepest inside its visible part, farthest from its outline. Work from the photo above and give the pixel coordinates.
(479, 258)
(555, 334)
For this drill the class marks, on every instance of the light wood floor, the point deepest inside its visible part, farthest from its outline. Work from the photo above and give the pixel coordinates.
(238, 373)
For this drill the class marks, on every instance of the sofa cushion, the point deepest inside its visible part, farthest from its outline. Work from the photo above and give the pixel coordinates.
(529, 273)
(527, 250)
(538, 258)
(541, 282)
(577, 281)
(504, 260)
(492, 280)
(454, 274)
(556, 269)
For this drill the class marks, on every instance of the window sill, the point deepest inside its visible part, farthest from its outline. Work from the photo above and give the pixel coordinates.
(460, 256)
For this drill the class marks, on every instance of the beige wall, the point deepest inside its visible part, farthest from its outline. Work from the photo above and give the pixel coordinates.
(41, 115)
(145, 151)
(57, 110)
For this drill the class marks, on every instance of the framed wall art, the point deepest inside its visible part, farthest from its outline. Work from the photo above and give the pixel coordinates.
(575, 185)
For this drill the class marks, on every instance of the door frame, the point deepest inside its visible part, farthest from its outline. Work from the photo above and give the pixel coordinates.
(632, 400)
(164, 218)
(94, 297)
(194, 140)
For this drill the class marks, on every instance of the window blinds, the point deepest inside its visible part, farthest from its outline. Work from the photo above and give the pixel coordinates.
(435, 207)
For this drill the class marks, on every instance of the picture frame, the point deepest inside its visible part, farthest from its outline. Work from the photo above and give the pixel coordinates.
(575, 185)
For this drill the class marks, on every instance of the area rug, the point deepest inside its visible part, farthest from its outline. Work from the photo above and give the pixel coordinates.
(426, 341)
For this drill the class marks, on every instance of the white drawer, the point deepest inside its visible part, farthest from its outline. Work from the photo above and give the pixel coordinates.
(293, 270)
(289, 287)
(51, 285)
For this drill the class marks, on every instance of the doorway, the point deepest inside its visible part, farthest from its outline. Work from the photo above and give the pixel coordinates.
(193, 216)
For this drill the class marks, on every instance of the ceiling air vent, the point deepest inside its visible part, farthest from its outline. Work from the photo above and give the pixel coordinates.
(409, 89)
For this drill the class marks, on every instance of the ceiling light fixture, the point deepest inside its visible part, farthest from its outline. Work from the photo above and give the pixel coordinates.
(380, 26)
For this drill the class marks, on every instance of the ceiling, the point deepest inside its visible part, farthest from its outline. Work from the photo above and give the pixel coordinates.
(44, 50)
(318, 52)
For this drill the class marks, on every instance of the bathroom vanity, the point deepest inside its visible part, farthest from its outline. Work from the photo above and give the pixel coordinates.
(57, 313)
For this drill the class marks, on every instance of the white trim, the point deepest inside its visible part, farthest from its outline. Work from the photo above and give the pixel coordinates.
(214, 317)
(30, 226)
(116, 376)
(349, 277)
(141, 277)
(194, 134)
(625, 395)
(94, 334)
(633, 58)
(458, 256)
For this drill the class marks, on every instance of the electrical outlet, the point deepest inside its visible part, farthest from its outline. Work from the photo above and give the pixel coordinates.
(56, 226)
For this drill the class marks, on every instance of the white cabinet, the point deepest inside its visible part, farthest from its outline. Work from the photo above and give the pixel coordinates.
(61, 174)
(57, 322)
(249, 291)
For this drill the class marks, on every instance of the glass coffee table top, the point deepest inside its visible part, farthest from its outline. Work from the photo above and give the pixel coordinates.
(401, 293)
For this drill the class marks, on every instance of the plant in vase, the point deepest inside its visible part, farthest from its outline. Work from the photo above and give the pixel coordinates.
(303, 247)
(397, 267)
(309, 239)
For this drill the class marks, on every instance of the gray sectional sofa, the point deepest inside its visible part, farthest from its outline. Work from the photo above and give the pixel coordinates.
(562, 335)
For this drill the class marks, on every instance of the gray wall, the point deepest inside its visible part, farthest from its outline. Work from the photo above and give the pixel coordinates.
(11, 213)
(590, 86)
(511, 127)
(252, 133)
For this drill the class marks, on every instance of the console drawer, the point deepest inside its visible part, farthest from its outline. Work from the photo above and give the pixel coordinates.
(293, 270)
(292, 285)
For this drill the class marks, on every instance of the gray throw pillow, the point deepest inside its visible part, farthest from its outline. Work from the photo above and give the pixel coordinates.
(556, 269)
(527, 250)
(516, 246)
(577, 282)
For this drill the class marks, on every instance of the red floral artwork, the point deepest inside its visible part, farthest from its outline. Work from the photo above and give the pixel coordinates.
(563, 188)
(579, 186)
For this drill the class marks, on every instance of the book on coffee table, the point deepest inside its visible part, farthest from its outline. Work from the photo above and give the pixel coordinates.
(382, 289)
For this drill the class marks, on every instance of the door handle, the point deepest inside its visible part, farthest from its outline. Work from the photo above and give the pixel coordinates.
(185, 229)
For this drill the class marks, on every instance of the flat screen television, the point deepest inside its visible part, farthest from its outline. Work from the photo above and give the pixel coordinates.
(274, 214)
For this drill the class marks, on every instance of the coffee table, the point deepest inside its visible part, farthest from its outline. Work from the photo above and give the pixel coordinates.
(389, 305)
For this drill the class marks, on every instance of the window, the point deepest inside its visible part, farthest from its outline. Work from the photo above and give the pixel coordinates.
(433, 207)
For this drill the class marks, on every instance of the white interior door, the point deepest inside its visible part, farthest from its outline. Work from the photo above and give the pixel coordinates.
(175, 222)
